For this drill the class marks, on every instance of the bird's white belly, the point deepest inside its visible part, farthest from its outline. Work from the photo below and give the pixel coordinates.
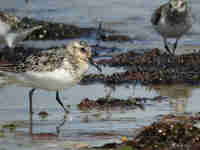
(171, 31)
(57, 80)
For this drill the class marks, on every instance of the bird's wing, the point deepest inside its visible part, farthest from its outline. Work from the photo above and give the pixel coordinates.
(156, 16)
(31, 61)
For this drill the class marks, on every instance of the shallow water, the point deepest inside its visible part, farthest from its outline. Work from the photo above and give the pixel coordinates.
(127, 17)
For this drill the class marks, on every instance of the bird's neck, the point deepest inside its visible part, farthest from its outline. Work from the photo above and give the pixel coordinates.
(178, 18)
(82, 65)
(76, 66)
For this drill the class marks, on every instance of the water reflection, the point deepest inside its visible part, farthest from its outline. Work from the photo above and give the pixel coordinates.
(58, 127)
(178, 96)
(84, 124)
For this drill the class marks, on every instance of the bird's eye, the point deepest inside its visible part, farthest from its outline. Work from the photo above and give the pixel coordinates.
(83, 49)
(182, 5)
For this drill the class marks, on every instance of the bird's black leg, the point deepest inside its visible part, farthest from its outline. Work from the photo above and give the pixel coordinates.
(60, 125)
(59, 101)
(30, 100)
(100, 35)
(175, 46)
(166, 47)
(31, 108)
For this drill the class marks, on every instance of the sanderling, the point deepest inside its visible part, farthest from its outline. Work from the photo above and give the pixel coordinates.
(172, 20)
(51, 70)
(8, 35)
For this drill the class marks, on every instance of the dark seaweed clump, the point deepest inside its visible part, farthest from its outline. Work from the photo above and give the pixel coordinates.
(170, 133)
(52, 30)
(60, 31)
(151, 67)
(104, 103)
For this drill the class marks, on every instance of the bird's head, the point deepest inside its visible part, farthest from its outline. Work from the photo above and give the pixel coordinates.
(178, 6)
(82, 51)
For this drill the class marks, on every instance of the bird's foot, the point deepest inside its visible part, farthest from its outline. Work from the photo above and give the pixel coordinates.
(65, 116)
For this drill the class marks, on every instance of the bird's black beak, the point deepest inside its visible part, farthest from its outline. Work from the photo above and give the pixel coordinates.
(174, 12)
(95, 64)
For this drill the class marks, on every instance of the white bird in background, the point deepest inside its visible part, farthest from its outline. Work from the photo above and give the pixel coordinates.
(10, 37)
